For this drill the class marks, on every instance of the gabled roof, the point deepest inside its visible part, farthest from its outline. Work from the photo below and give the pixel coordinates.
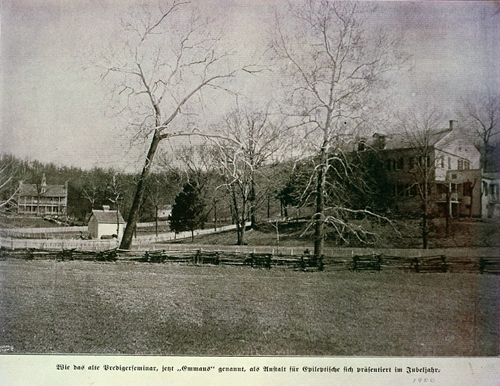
(405, 141)
(107, 216)
(50, 190)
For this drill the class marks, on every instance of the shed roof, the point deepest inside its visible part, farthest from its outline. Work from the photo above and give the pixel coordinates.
(107, 216)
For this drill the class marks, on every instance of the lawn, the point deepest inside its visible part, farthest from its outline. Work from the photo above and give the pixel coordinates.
(463, 233)
(16, 221)
(138, 308)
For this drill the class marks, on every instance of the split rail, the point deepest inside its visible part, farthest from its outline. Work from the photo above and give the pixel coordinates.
(304, 262)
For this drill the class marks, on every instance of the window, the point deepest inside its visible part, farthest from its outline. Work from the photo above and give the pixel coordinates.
(388, 164)
(494, 191)
(424, 161)
(399, 164)
(463, 164)
(467, 189)
(411, 163)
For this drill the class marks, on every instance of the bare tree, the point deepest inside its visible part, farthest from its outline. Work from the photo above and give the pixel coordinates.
(9, 186)
(246, 140)
(94, 185)
(161, 188)
(114, 194)
(199, 164)
(420, 129)
(481, 113)
(169, 56)
(40, 184)
(334, 65)
(91, 192)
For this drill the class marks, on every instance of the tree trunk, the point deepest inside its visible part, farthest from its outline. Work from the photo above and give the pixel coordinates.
(242, 232)
(156, 220)
(252, 197)
(425, 230)
(133, 216)
(425, 195)
(448, 209)
(215, 216)
(319, 217)
(471, 197)
(236, 217)
(252, 203)
(238, 233)
(117, 221)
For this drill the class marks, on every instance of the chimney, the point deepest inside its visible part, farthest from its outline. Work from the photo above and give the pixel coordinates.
(379, 142)
(453, 124)
(362, 144)
(105, 208)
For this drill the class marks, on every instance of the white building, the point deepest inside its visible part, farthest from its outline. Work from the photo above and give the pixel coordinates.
(106, 222)
(490, 193)
(164, 211)
(446, 158)
(42, 199)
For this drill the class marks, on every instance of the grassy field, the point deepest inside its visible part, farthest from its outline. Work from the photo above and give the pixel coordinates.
(24, 222)
(463, 233)
(137, 308)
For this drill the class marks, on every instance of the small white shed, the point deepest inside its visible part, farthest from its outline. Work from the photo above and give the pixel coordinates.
(106, 222)
(164, 211)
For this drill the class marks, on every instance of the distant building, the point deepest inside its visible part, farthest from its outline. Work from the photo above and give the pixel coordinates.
(465, 189)
(106, 222)
(490, 195)
(445, 159)
(164, 211)
(42, 199)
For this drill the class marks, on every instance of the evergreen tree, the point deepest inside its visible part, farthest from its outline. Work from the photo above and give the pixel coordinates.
(187, 211)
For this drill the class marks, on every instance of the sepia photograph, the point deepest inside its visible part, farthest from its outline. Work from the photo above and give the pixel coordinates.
(250, 179)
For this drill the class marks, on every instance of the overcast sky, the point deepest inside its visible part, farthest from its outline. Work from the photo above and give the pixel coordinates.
(55, 111)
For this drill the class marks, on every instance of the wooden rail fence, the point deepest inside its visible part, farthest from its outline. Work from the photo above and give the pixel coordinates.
(489, 265)
(304, 262)
(256, 260)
